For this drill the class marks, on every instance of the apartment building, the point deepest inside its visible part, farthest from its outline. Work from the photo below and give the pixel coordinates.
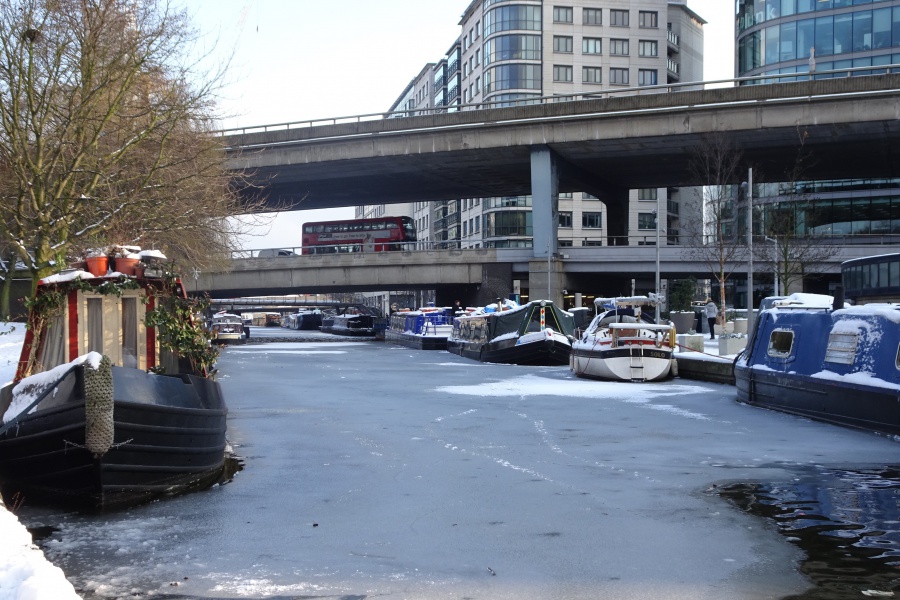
(511, 52)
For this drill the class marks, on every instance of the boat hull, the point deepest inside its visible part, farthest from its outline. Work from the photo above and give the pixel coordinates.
(419, 342)
(858, 406)
(544, 352)
(622, 364)
(158, 449)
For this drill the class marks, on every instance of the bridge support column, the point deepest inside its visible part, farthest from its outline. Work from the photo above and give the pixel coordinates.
(544, 202)
(616, 201)
(546, 280)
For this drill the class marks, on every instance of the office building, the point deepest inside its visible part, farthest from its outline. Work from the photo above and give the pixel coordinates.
(809, 38)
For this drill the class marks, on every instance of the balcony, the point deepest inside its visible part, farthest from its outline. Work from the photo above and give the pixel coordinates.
(672, 67)
(672, 40)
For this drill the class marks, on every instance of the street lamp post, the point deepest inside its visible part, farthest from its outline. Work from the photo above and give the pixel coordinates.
(657, 255)
(748, 187)
(774, 262)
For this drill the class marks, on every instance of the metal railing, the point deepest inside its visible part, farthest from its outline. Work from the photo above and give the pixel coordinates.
(602, 94)
(625, 241)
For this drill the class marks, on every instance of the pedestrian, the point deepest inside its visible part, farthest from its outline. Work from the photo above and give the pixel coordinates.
(711, 312)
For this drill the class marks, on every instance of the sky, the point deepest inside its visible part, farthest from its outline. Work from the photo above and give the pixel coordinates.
(296, 60)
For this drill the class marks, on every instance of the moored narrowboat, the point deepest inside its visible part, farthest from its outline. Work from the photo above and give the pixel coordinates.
(103, 412)
(425, 329)
(825, 360)
(536, 333)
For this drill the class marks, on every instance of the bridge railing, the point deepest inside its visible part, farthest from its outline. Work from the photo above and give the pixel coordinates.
(608, 93)
(632, 243)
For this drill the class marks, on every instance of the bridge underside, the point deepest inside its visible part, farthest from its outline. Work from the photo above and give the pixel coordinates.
(599, 145)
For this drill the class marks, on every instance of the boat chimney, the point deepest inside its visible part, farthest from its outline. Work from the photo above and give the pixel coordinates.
(838, 298)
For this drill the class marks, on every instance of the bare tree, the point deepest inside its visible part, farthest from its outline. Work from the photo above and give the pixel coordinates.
(714, 239)
(798, 249)
(106, 129)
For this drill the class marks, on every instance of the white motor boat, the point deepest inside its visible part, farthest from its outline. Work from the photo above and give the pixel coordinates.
(623, 345)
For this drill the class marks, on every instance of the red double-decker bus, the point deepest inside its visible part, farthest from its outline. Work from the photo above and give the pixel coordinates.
(358, 235)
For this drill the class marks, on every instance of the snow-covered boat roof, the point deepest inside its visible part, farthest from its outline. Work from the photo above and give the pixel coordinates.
(804, 300)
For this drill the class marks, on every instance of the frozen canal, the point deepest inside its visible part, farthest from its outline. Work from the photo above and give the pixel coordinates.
(371, 470)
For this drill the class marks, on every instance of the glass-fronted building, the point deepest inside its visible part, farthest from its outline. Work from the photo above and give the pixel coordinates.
(793, 36)
(807, 37)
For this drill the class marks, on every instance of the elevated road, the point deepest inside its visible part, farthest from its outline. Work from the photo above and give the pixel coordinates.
(485, 273)
(850, 126)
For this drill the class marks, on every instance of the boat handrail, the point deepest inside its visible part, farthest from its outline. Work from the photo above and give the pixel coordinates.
(651, 300)
(650, 326)
(6, 426)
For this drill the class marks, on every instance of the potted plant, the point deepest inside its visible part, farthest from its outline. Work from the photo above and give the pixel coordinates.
(680, 303)
(731, 343)
(97, 261)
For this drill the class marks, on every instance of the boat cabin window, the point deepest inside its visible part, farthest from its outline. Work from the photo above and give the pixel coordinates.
(129, 332)
(897, 360)
(780, 343)
(842, 348)
(95, 325)
(53, 353)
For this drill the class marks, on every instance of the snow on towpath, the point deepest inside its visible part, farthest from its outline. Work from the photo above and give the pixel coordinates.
(25, 574)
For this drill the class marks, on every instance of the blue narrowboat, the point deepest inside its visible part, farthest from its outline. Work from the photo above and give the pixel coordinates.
(825, 360)
(425, 329)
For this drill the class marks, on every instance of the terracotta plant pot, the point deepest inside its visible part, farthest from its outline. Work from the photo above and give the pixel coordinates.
(126, 266)
(97, 265)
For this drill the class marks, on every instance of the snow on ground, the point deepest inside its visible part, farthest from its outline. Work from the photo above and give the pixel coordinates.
(24, 572)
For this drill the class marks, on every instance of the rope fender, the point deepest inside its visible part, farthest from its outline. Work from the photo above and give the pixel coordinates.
(99, 428)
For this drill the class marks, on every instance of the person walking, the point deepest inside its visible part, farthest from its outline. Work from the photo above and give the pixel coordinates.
(711, 312)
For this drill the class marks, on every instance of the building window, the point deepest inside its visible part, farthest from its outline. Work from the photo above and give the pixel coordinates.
(646, 221)
(591, 220)
(592, 16)
(648, 19)
(618, 76)
(562, 14)
(618, 18)
(591, 75)
(511, 77)
(647, 194)
(512, 47)
(565, 195)
(562, 43)
(648, 48)
(562, 73)
(618, 47)
(565, 219)
(512, 17)
(646, 77)
(592, 45)
(592, 243)
(568, 244)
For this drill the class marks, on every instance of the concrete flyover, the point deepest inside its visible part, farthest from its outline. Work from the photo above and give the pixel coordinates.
(850, 126)
(483, 274)
(363, 271)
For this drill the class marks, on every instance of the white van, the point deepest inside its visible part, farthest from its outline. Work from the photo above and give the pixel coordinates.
(273, 252)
